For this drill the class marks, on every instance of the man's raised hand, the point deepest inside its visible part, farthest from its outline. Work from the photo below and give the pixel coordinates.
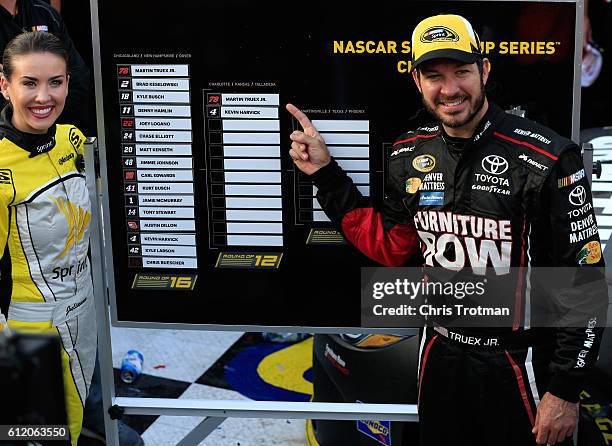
(308, 149)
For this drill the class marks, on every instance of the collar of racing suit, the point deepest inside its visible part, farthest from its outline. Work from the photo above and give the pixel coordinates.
(488, 122)
(484, 128)
(31, 142)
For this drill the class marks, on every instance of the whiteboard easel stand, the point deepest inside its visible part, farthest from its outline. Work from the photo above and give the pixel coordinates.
(216, 411)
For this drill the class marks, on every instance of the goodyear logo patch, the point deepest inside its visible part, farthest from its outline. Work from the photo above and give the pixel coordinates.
(413, 184)
(439, 34)
(380, 431)
(431, 199)
(325, 237)
(6, 176)
(589, 254)
(182, 282)
(424, 163)
(249, 260)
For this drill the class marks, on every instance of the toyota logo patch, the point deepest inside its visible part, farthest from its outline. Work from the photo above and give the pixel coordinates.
(494, 164)
(577, 196)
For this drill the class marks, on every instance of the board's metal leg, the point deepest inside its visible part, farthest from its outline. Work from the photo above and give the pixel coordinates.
(201, 431)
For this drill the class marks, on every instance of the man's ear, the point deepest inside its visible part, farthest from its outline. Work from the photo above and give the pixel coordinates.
(417, 81)
(486, 69)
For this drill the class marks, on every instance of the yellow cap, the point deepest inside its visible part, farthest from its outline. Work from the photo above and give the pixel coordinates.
(445, 36)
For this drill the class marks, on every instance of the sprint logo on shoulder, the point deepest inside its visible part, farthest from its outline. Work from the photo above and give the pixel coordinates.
(6, 176)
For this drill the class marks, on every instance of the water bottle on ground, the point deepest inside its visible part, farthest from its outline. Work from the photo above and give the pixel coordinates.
(131, 367)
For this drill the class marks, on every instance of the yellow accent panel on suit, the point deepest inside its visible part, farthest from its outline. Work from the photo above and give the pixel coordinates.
(78, 218)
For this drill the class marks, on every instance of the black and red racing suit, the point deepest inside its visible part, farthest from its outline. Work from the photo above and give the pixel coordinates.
(513, 197)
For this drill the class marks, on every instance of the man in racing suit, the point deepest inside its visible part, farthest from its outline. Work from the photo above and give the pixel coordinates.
(45, 282)
(479, 188)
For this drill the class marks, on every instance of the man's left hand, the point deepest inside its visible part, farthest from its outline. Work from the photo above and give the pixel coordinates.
(555, 420)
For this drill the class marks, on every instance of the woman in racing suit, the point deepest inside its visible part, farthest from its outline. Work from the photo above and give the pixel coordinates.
(45, 213)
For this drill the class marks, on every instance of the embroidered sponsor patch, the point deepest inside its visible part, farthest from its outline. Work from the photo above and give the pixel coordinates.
(439, 34)
(6, 177)
(380, 431)
(424, 163)
(412, 185)
(577, 196)
(571, 179)
(494, 164)
(75, 139)
(589, 254)
(431, 199)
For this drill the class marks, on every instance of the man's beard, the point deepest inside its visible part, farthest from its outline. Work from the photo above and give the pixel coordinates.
(455, 122)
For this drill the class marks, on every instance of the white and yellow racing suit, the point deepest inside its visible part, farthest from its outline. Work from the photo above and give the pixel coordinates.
(44, 238)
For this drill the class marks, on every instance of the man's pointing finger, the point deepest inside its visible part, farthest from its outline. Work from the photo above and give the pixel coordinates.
(301, 117)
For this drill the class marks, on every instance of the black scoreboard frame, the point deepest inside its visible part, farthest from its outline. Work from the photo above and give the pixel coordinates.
(246, 306)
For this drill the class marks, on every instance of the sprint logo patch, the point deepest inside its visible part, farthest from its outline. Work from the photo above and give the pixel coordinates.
(424, 163)
(439, 34)
(6, 176)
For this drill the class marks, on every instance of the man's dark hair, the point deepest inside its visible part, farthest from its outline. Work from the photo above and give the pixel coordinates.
(31, 42)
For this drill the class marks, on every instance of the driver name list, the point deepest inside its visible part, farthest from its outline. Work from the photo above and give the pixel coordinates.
(243, 138)
(156, 146)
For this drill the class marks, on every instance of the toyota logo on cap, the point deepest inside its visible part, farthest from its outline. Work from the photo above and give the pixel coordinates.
(494, 164)
(577, 197)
